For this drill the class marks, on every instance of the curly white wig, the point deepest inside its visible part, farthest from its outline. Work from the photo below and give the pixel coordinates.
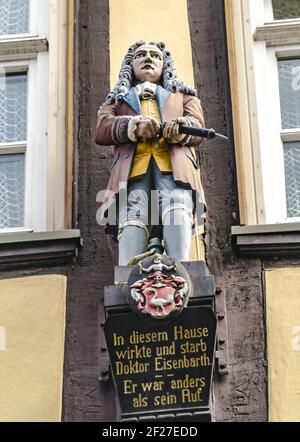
(126, 76)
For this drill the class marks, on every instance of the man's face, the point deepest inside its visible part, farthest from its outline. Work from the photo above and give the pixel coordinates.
(147, 64)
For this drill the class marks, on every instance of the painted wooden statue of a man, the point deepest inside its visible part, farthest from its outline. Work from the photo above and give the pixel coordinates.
(141, 118)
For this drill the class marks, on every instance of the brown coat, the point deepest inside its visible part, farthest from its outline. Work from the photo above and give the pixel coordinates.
(112, 130)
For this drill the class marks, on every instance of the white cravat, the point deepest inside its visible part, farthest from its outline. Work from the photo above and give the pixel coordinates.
(146, 90)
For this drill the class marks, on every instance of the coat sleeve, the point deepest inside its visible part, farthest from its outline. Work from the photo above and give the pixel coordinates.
(111, 128)
(193, 112)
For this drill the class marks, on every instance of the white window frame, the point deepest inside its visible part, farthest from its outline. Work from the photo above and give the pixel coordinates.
(279, 210)
(46, 112)
(255, 43)
(38, 22)
(35, 165)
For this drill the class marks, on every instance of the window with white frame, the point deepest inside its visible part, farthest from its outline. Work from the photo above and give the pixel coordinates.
(266, 48)
(289, 88)
(32, 114)
(13, 136)
(283, 55)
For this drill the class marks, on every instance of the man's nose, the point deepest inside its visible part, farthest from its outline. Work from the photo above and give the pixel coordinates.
(148, 57)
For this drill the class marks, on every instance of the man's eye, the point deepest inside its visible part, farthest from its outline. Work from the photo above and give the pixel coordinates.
(140, 55)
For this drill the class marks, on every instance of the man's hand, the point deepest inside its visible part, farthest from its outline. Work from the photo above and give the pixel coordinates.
(171, 131)
(147, 129)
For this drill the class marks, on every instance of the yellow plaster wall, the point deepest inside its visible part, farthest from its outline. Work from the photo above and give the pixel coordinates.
(32, 325)
(283, 343)
(163, 20)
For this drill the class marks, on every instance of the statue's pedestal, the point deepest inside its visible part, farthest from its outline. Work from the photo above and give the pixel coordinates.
(162, 369)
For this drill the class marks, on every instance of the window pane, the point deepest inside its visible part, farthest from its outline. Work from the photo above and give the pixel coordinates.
(14, 17)
(292, 177)
(11, 190)
(289, 88)
(286, 9)
(13, 103)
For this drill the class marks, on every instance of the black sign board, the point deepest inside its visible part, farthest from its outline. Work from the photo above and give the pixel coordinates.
(159, 367)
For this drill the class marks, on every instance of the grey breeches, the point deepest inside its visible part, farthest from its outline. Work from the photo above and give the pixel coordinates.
(168, 204)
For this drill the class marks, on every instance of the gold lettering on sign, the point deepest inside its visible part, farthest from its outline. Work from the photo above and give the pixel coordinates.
(129, 387)
(147, 366)
(118, 340)
(162, 364)
(166, 350)
(188, 396)
(155, 386)
(191, 347)
(134, 353)
(140, 401)
(146, 338)
(187, 382)
(165, 399)
(189, 333)
(131, 367)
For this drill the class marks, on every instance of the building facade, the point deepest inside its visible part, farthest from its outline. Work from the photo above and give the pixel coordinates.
(58, 61)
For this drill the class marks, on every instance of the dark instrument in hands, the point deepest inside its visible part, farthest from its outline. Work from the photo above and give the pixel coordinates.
(204, 133)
